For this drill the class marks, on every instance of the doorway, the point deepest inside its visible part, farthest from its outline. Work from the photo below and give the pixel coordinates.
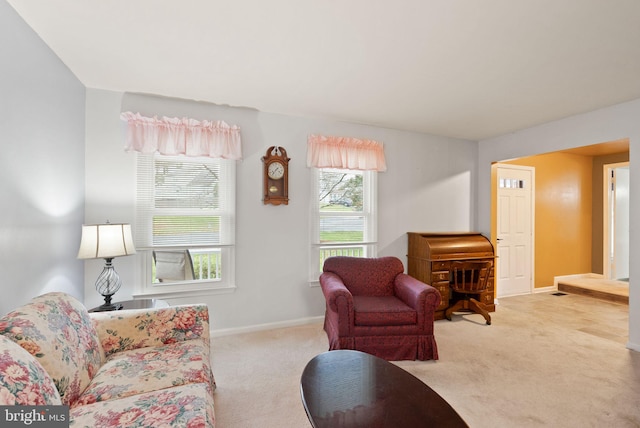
(616, 221)
(569, 214)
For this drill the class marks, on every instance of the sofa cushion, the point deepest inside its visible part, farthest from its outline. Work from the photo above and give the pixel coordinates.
(149, 369)
(383, 311)
(57, 330)
(23, 381)
(142, 328)
(189, 406)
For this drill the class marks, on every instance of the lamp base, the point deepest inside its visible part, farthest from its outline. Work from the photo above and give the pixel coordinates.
(107, 305)
(107, 284)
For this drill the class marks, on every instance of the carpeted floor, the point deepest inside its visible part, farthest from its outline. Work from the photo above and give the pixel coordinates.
(546, 361)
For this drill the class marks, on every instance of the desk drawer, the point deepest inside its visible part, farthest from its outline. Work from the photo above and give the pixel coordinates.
(440, 276)
(444, 290)
(487, 297)
(440, 265)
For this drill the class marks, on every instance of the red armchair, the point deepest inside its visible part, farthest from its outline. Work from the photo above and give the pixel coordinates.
(374, 307)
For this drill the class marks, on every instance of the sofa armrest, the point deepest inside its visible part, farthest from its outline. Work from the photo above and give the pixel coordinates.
(131, 329)
(420, 296)
(339, 302)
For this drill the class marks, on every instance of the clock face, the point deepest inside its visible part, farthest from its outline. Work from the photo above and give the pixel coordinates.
(276, 170)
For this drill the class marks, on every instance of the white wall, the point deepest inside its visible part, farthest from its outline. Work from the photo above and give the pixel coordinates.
(429, 186)
(41, 167)
(608, 124)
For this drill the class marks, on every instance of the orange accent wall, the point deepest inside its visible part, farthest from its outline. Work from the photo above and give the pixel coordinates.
(563, 215)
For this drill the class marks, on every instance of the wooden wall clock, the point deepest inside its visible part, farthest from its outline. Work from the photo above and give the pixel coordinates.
(276, 176)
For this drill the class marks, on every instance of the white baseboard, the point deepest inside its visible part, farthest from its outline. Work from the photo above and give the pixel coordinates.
(553, 287)
(534, 291)
(268, 326)
(633, 346)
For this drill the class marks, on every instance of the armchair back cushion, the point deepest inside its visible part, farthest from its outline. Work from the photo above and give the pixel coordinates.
(56, 329)
(366, 277)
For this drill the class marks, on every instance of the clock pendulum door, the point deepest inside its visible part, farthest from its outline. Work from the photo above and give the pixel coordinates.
(275, 176)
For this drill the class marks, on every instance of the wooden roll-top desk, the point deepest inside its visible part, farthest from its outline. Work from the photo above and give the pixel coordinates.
(430, 256)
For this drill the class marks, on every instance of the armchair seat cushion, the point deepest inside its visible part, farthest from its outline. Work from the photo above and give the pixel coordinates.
(382, 311)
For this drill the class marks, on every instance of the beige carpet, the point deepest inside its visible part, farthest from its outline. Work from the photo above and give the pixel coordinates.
(546, 361)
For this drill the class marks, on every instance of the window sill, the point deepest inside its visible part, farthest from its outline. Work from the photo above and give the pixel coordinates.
(159, 293)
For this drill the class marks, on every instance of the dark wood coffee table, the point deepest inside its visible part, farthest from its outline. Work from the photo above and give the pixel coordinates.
(343, 389)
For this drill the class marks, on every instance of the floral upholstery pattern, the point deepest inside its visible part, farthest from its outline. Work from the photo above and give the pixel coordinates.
(129, 368)
(188, 406)
(121, 331)
(56, 329)
(23, 381)
(373, 306)
(149, 369)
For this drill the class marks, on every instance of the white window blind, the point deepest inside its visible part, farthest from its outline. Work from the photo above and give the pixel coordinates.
(185, 202)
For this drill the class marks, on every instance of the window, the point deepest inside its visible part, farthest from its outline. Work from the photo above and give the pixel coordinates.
(185, 222)
(344, 215)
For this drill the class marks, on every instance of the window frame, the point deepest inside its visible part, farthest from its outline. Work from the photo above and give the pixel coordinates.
(369, 212)
(145, 182)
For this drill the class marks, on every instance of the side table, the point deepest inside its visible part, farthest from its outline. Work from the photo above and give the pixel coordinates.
(136, 304)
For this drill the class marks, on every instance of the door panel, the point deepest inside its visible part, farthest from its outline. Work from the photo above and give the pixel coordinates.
(503, 268)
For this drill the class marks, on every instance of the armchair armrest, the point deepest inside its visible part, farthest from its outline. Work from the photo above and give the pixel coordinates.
(333, 289)
(339, 302)
(420, 296)
(132, 329)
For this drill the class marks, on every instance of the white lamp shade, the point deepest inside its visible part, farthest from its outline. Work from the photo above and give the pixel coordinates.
(102, 241)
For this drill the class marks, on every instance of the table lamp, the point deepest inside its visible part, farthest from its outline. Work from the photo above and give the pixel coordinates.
(106, 241)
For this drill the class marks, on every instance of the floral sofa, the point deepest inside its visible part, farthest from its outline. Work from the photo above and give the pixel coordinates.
(135, 368)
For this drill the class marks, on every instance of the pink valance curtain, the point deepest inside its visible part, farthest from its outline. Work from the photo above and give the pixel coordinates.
(174, 136)
(345, 153)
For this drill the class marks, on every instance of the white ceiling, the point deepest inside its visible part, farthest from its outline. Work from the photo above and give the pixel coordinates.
(462, 68)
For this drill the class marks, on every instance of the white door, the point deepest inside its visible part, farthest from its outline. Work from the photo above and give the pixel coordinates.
(514, 230)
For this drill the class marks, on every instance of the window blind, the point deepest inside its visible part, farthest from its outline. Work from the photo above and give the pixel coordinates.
(185, 202)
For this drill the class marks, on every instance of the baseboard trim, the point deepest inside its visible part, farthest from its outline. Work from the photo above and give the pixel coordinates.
(633, 346)
(545, 289)
(267, 326)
